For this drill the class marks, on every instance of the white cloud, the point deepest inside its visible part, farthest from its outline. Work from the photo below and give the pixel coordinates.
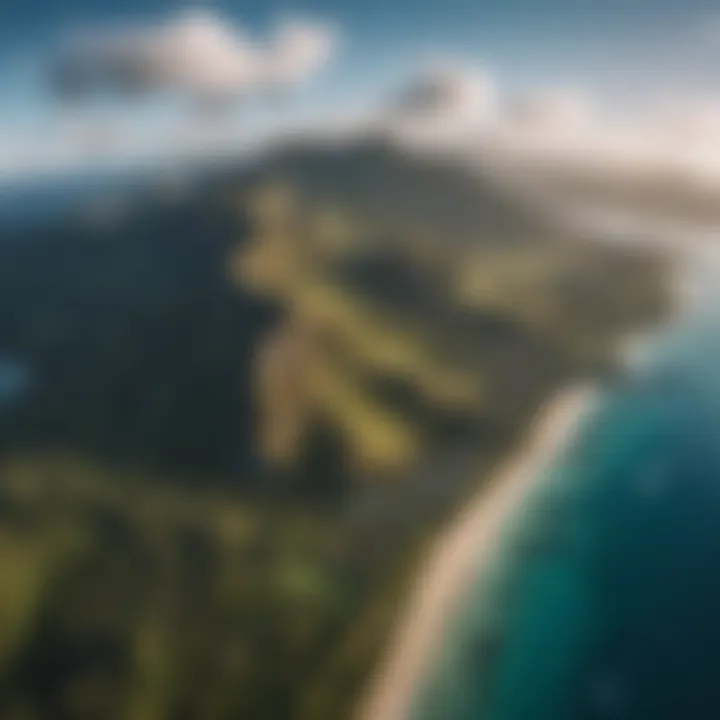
(550, 142)
(446, 88)
(299, 50)
(550, 112)
(197, 53)
(559, 144)
(445, 103)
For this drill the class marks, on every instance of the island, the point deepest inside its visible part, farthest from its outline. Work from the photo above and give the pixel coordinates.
(249, 407)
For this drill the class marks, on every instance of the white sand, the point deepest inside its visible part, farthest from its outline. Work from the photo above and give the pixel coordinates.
(459, 555)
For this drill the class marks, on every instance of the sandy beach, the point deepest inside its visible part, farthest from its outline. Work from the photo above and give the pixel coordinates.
(460, 553)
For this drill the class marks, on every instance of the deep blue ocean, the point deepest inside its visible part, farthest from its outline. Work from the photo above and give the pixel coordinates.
(605, 601)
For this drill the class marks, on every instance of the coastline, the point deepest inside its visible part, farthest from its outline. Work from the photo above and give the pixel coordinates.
(460, 553)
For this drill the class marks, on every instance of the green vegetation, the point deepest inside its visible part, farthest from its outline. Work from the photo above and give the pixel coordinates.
(249, 413)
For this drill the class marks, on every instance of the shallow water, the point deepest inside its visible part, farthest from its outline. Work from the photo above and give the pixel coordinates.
(15, 380)
(605, 600)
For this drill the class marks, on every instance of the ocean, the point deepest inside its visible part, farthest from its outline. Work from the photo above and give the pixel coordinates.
(604, 600)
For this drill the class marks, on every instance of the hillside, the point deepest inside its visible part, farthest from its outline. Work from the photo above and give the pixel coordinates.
(244, 410)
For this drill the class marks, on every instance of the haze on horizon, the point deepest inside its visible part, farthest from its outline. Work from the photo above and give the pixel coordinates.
(607, 92)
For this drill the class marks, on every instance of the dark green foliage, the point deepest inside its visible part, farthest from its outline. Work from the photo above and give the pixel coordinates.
(152, 566)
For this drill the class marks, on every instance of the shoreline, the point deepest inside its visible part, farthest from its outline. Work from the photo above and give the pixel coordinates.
(460, 552)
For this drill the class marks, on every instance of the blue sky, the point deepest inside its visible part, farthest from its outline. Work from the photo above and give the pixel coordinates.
(522, 38)
(621, 47)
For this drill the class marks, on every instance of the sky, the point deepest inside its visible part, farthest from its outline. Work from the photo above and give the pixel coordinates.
(623, 51)
(524, 35)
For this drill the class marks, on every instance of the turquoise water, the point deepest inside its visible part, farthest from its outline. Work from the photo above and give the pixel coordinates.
(15, 380)
(605, 599)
